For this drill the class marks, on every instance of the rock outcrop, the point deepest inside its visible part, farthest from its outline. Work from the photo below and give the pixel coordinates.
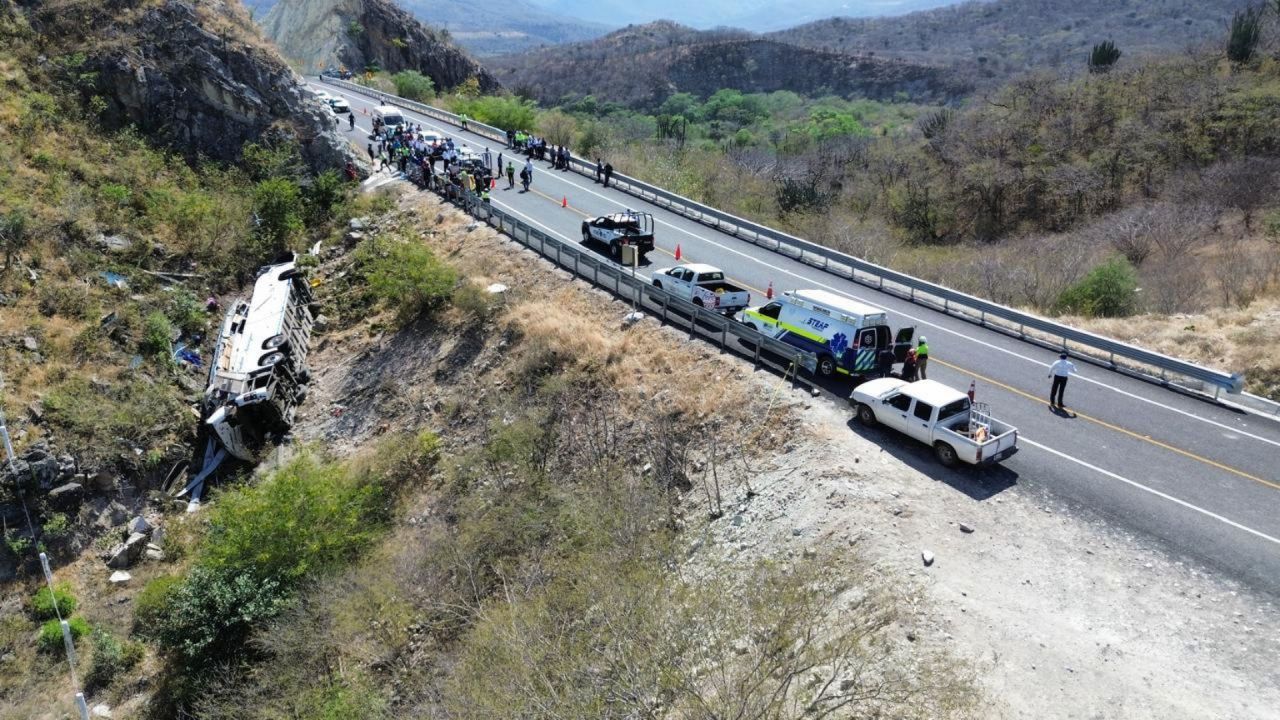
(193, 74)
(360, 34)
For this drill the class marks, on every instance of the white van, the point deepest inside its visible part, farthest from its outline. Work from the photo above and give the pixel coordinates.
(392, 118)
(846, 336)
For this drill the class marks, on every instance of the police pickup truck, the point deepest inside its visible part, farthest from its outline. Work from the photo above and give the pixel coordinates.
(624, 228)
(845, 336)
(704, 286)
(942, 417)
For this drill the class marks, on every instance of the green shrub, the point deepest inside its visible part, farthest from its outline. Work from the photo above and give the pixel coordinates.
(110, 658)
(307, 517)
(498, 110)
(50, 639)
(414, 85)
(407, 276)
(208, 616)
(278, 204)
(42, 603)
(149, 606)
(56, 526)
(157, 333)
(1109, 290)
(186, 312)
(92, 418)
(325, 194)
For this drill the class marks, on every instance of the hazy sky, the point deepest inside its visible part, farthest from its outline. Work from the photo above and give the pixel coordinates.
(749, 14)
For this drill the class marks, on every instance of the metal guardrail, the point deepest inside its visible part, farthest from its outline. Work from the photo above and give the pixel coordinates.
(1142, 363)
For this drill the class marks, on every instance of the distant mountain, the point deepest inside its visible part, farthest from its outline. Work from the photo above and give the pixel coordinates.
(641, 65)
(489, 28)
(1001, 37)
(758, 15)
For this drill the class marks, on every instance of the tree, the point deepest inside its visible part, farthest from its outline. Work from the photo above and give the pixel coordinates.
(278, 206)
(1246, 32)
(413, 85)
(1109, 290)
(14, 235)
(557, 127)
(1104, 56)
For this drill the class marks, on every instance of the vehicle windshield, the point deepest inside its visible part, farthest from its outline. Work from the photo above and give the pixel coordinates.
(953, 409)
(712, 277)
(393, 119)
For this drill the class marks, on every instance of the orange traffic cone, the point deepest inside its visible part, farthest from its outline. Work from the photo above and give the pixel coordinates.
(677, 251)
(973, 386)
(493, 183)
(564, 201)
(768, 292)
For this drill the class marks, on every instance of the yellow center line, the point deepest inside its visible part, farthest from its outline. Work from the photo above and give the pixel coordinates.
(1116, 428)
(1102, 423)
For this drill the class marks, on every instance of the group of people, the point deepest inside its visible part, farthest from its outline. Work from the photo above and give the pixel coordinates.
(915, 366)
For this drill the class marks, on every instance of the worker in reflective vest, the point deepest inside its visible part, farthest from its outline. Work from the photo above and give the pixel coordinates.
(922, 358)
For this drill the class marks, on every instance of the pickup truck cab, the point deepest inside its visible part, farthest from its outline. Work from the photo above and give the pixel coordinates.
(704, 286)
(619, 229)
(944, 418)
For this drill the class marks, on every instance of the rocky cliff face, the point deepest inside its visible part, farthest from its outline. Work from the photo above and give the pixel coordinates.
(193, 74)
(362, 33)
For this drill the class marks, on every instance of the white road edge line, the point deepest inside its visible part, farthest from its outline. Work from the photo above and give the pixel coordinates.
(451, 130)
(1153, 491)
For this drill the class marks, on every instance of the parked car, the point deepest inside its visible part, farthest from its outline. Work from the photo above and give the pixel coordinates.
(620, 229)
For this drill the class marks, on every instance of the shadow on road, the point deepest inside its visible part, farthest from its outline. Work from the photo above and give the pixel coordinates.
(978, 483)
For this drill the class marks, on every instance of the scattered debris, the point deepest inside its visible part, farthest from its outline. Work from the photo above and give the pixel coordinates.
(496, 289)
(927, 557)
(114, 243)
(114, 279)
(965, 529)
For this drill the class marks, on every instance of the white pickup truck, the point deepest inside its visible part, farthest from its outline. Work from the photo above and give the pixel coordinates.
(704, 286)
(937, 415)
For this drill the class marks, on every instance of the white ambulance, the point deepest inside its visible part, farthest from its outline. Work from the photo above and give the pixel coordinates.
(845, 335)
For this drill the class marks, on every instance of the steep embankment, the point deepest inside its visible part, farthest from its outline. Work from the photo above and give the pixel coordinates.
(193, 75)
(642, 65)
(360, 34)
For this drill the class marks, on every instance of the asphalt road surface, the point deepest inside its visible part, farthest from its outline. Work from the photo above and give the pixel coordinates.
(1201, 479)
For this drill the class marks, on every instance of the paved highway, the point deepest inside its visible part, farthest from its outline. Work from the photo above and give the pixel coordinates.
(1201, 479)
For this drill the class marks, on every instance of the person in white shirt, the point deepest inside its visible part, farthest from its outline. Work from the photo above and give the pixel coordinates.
(1060, 371)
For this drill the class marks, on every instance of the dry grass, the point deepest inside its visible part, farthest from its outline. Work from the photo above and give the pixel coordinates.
(1234, 339)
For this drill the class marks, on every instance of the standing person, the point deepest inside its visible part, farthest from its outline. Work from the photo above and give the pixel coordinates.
(500, 164)
(608, 173)
(528, 168)
(599, 169)
(922, 358)
(372, 155)
(382, 161)
(351, 119)
(909, 366)
(511, 175)
(885, 361)
(463, 117)
(567, 159)
(1060, 371)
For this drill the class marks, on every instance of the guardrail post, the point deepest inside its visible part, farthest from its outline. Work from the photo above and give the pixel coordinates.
(946, 305)
(664, 311)
(913, 294)
(576, 258)
(1022, 330)
(724, 336)
(693, 322)
(595, 278)
(756, 359)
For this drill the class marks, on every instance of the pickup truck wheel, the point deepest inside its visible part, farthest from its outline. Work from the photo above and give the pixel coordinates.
(586, 234)
(616, 251)
(866, 415)
(826, 366)
(698, 302)
(945, 454)
(657, 284)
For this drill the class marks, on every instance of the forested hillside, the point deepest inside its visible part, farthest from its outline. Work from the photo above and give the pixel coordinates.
(642, 65)
(999, 38)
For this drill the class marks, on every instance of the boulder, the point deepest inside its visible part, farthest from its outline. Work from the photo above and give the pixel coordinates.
(35, 412)
(124, 556)
(139, 526)
(30, 343)
(102, 710)
(113, 243)
(119, 577)
(68, 495)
